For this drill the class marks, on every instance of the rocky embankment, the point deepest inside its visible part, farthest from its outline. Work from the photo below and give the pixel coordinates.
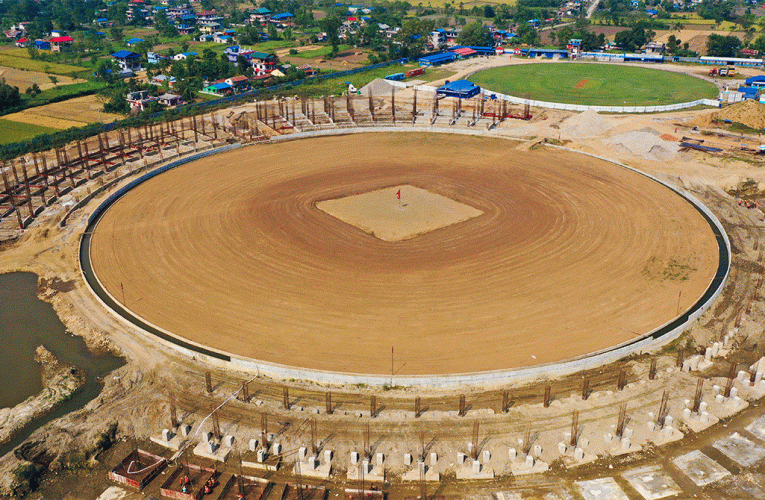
(60, 381)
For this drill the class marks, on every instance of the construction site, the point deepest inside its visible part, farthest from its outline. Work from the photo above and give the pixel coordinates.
(350, 297)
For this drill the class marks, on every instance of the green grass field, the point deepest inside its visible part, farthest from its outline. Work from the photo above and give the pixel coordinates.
(595, 84)
(14, 59)
(15, 131)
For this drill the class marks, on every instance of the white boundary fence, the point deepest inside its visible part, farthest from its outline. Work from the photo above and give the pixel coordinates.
(580, 107)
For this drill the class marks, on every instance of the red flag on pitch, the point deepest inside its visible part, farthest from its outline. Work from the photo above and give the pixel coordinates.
(398, 195)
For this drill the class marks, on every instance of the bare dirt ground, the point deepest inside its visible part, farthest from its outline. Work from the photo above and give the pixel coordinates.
(284, 282)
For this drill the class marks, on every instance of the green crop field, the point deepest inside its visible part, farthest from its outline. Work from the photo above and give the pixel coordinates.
(16, 131)
(20, 62)
(595, 84)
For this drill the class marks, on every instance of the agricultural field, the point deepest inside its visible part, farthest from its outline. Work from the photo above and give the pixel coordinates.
(76, 112)
(24, 79)
(696, 37)
(19, 59)
(17, 131)
(595, 84)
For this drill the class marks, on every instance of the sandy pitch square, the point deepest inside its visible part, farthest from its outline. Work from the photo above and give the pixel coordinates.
(381, 214)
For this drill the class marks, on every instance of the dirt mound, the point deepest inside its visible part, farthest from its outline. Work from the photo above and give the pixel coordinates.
(645, 144)
(378, 87)
(583, 125)
(750, 113)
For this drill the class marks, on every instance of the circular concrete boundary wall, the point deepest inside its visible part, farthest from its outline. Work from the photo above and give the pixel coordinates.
(649, 341)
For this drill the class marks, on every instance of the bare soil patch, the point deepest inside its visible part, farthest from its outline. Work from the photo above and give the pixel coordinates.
(553, 269)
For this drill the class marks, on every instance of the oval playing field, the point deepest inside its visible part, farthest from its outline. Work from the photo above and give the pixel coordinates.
(493, 258)
(595, 84)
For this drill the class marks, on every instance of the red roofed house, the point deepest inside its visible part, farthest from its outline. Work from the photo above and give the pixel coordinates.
(60, 43)
(240, 82)
(464, 52)
(22, 42)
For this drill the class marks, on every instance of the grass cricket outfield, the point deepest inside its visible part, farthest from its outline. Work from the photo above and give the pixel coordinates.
(595, 84)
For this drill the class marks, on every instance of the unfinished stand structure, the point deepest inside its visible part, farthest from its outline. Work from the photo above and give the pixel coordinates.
(30, 183)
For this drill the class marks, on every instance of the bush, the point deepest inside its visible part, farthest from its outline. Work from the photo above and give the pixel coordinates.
(293, 52)
(26, 479)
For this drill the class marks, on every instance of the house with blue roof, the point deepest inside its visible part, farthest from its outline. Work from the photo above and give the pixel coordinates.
(221, 88)
(128, 61)
(154, 58)
(133, 42)
(652, 12)
(42, 45)
(221, 38)
(283, 18)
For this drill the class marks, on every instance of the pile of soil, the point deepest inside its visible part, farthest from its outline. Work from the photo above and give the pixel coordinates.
(750, 113)
(378, 87)
(646, 145)
(587, 124)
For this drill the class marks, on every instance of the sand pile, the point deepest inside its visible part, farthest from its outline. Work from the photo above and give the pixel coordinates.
(750, 113)
(583, 125)
(645, 144)
(378, 86)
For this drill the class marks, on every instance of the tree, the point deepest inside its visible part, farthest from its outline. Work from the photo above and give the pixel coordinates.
(162, 25)
(331, 25)
(116, 33)
(723, 46)
(54, 80)
(475, 34)
(272, 33)
(9, 96)
(413, 36)
(488, 11)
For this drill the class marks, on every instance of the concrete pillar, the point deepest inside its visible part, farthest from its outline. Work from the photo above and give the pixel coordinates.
(651, 415)
(313, 463)
(703, 407)
(668, 430)
(486, 455)
(695, 362)
(708, 354)
(529, 461)
(719, 399)
(207, 436)
(302, 453)
(470, 447)
(737, 400)
(408, 459)
(476, 466)
(705, 417)
(686, 414)
(354, 457)
(380, 457)
(537, 450)
(253, 445)
(562, 448)
(687, 403)
(512, 453)
(327, 456)
(716, 390)
(210, 447)
(167, 435)
(583, 442)
(608, 437)
(421, 468)
(625, 444)
(715, 349)
(668, 421)
(433, 458)
(228, 440)
(757, 377)
(578, 454)
(461, 458)
(742, 375)
(733, 392)
(627, 433)
(651, 426)
(261, 456)
(277, 448)
(365, 466)
(726, 339)
(185, 430)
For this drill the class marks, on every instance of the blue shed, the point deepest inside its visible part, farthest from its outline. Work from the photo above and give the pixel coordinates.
(459, 88)
(436, 59)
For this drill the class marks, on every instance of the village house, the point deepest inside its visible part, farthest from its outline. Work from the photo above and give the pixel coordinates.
(128, 61)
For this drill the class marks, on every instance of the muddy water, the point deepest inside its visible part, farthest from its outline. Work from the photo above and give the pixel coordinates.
(25, 323)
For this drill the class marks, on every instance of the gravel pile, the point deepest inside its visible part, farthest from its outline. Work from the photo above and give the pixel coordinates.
(583, 125)
(646, 145)
(378, 86)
